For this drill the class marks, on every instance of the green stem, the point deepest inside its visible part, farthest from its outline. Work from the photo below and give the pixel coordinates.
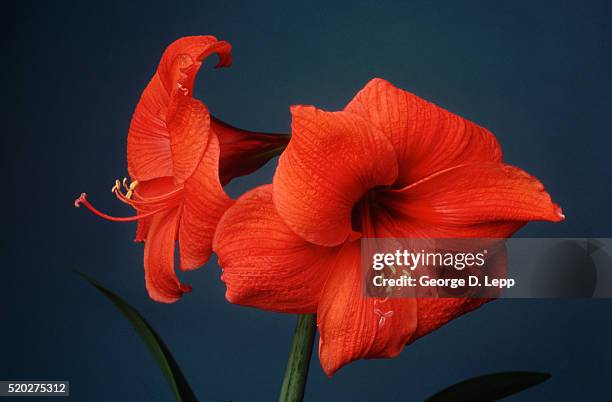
(299, 359)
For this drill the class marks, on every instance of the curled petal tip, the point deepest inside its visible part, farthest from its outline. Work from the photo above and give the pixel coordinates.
(224, 61)
(169, 296)
(224, 51)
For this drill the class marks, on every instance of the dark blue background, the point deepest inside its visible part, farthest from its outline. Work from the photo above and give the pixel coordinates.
(538, 74)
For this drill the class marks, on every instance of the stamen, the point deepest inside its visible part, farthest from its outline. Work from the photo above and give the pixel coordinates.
(164, 197)
(83, 200)
(116, 187)
(130, 191)
(133, 199)
(129, 187)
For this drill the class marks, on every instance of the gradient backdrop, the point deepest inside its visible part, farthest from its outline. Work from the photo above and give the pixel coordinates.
(538, 74)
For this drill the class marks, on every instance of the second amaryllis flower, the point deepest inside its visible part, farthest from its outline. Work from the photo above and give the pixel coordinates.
(390, 165)
(179, 158)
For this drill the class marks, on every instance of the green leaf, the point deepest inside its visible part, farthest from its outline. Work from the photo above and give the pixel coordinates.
(490, 387)
(154, 343)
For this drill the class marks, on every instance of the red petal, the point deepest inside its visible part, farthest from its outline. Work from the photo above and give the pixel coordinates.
(161, 281)
(265, 264)
(148, 189)
(426, 137)
(330, 162)
(435, 312)
(189, 129)
(142, 229)
(204, 203)
(487, 201)
(355, 327)
(149, 154)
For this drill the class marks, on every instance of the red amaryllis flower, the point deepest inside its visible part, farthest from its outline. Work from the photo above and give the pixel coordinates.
(174, 161)
(389, 165)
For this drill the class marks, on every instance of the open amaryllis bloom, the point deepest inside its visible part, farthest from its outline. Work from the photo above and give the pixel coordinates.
(389, 165)
(178, 160)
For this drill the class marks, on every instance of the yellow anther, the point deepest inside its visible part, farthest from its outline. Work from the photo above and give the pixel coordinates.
(128, 194)
(124, 182)
(116, 187)
(133, 185)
